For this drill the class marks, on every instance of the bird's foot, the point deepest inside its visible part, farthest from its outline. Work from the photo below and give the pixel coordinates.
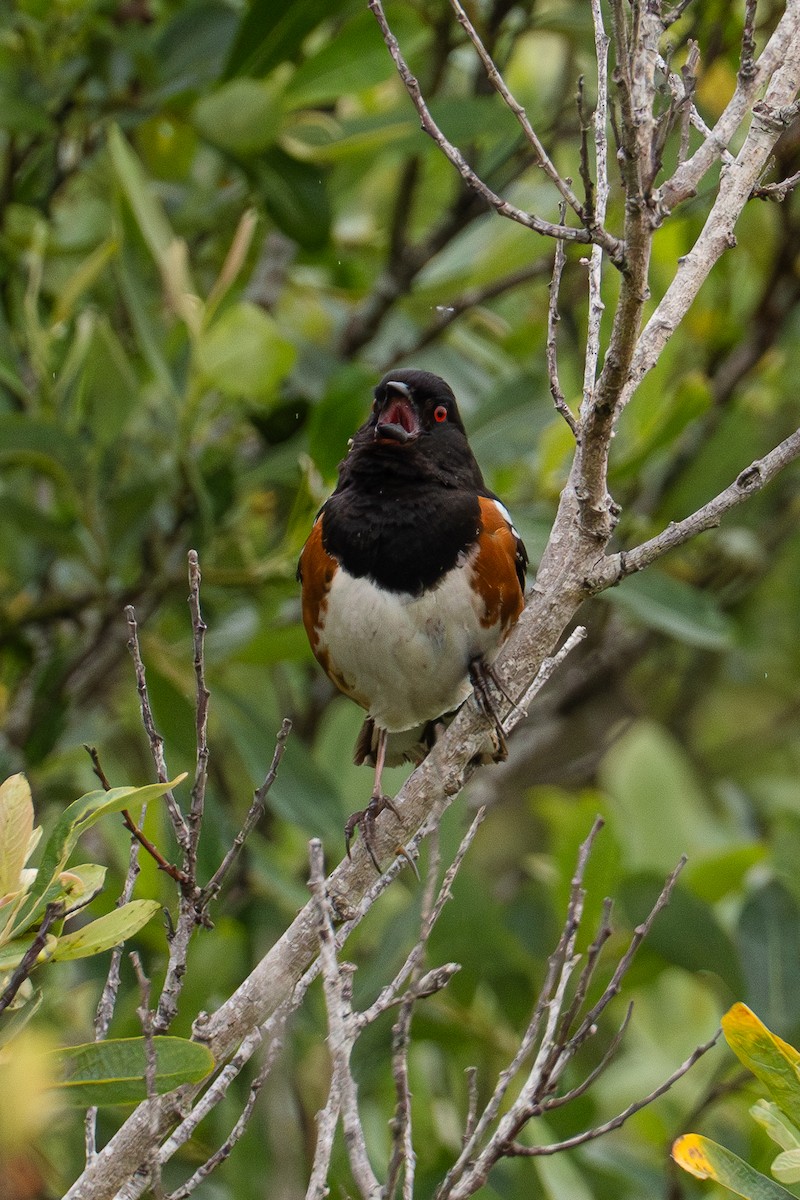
(364, 821)
(481, 674)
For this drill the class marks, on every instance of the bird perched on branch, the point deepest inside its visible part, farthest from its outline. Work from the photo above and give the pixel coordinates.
(412, 577)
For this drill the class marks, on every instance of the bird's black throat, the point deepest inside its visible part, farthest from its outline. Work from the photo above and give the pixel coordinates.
(403, 517)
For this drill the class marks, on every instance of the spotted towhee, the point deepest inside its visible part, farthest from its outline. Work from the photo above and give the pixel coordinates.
(412, 576)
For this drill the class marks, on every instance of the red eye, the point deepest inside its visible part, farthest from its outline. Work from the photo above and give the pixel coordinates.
(440, 413)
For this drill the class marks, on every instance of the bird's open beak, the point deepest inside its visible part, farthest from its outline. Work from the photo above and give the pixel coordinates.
(398, 422)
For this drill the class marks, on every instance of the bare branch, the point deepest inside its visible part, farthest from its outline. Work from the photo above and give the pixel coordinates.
(749, 481)
(254, 815)
(553, 318)
(585, 1084)
(342, 1028)
(238, 1129)
(514, 1149)
(52, 913)
(541, 156)
(108, 997)
(773, 57)
(451, 152)
(471, 1166)
(601, 191)
(201, 717)
(145, 1015)
(613, 986)
(735, 187)
(472, 1104)
(776, 191)
(153, 736)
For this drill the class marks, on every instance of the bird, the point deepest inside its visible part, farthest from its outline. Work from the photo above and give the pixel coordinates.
(411, 578)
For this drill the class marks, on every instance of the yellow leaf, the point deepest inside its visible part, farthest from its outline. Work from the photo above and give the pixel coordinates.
(689, 1152)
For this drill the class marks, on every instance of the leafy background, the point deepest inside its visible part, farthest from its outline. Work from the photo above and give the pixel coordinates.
(219, 225)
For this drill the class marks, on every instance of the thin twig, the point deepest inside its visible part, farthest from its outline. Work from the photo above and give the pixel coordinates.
(547, 668)
(541, 157)
(135, 830)
(546, 1003)
(585, 977)
(553, 318)
(141, 837)
(53, 912)
(776, 191)
(254, 814)
(583, 1087)
(201, 717)
(472, 1104)
(145, 1015)
(403, 1156)
(153, 736)
(225, 1150)
(108, 997)
(503, 207)
(342, 1027)
(749, 481)
(515, 1150)
(639, 934)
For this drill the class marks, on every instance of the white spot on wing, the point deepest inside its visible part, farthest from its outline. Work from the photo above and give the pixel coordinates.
(506, 515)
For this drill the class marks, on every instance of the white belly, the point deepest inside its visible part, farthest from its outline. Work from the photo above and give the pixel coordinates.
(408, 656)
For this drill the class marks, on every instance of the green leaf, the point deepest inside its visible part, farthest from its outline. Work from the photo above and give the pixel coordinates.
(21, 117)
(675, 608)
(768, 934)
(774, 1062)
(107, 931)
(272, 33)
(786, 1166)
(82, 279)
(167, 250)
(82, 883)
(12, 953)
(41, 444)
(109, 389)
(13, 1020)
(244, 354)
(16, 828)
(74, 821)
(356, 59)
(295, 196)
(241, 117)
(341, 410)
(113, 1072)
(778, 1126)
(686, 933)
(658, 809)
(707, 1160)
(150, 216)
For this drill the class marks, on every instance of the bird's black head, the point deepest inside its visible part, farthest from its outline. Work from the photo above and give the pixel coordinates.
(409, 404)
(414, 436)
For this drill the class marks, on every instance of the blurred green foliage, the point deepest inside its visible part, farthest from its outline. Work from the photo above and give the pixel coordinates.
(218, 226)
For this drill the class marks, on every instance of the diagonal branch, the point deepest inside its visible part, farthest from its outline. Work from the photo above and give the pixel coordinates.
(749, 481)
(541, 156)
(580, 1139)
(504, 207)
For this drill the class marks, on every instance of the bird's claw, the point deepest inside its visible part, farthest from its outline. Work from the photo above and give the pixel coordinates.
(364, 821)
(481, 674)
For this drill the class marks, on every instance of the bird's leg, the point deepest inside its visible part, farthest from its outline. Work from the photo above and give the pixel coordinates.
(366, 817)
(481, 673)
